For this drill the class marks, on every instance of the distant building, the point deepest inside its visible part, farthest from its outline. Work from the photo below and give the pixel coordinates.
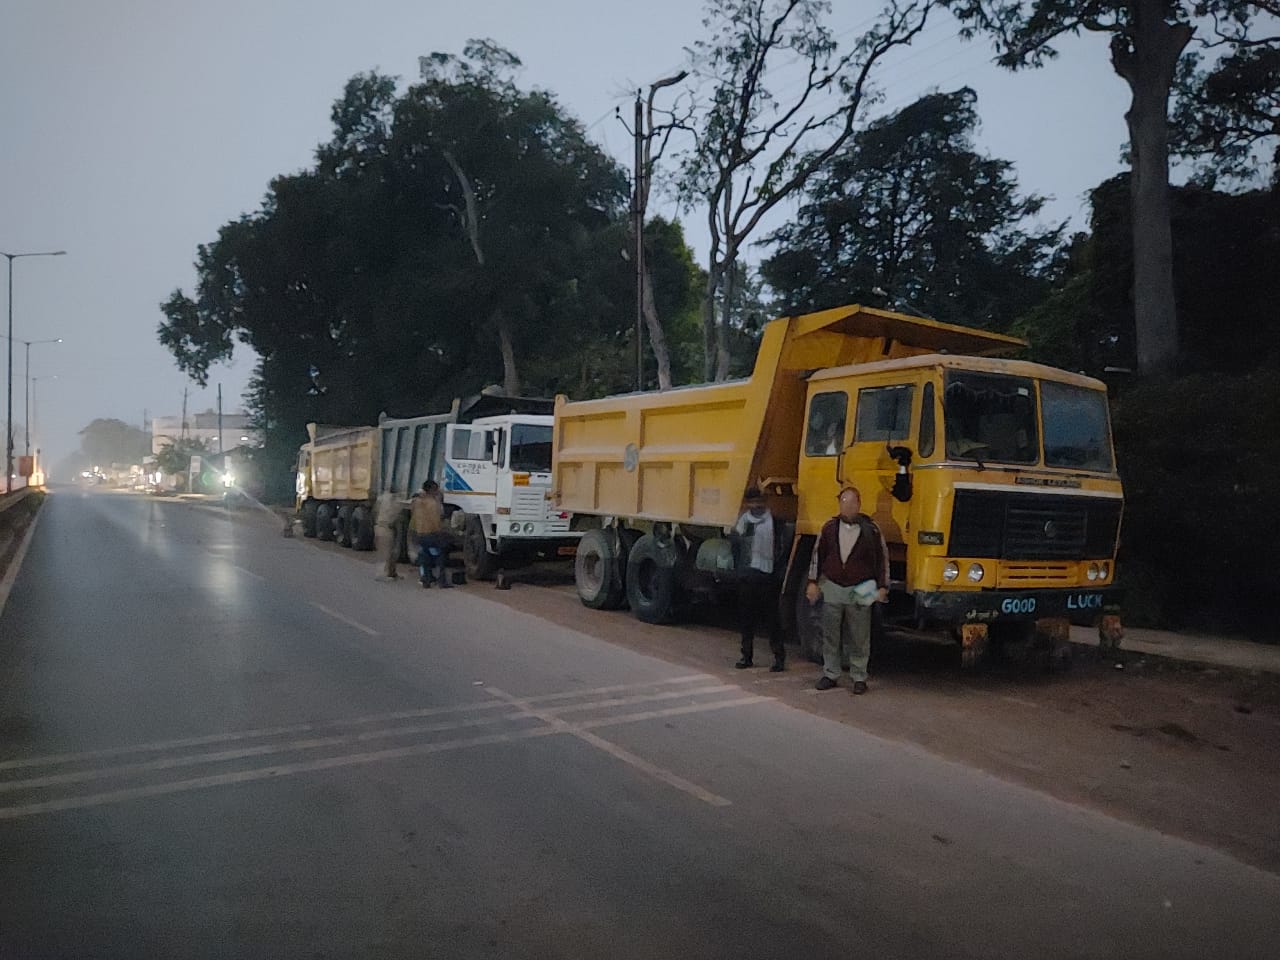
(236, 431)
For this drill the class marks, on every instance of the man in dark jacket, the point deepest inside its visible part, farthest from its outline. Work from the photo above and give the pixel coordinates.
(848, 573)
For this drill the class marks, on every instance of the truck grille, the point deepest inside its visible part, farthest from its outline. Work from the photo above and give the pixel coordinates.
(1029, 526)
(528, 503)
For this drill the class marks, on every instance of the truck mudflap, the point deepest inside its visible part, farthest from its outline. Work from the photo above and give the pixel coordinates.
(1085, 606)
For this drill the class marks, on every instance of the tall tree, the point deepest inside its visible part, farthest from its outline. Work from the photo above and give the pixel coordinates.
(108, 441)
(756, 146)
(909, 213)
(1227, 111)
(1147, 38)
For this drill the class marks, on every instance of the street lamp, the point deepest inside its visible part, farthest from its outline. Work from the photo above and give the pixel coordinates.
(27, 400)
(8, 427)
(35, 381)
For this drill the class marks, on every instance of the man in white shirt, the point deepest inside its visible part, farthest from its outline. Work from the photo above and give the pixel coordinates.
(757, 584)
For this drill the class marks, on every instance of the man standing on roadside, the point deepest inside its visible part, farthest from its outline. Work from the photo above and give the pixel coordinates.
(757, 585)
(386, 532)
(849, 572)
(427, 536)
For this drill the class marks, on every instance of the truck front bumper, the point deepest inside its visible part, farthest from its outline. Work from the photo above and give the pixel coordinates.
(1080, 605)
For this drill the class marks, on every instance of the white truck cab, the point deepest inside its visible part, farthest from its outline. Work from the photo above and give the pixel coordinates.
(496, 484)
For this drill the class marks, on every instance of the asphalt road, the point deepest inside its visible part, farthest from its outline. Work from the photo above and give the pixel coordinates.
(217, 742)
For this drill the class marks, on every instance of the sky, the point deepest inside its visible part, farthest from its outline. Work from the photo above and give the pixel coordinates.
(133, 130)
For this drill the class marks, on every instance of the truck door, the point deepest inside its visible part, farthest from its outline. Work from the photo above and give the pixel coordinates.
(470, 474)
(885, 417)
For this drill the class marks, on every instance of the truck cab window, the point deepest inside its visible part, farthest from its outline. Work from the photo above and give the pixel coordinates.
(825, 435)
(531, 448)
(990, 417)
(884, 413)
(461, 445)
(928, 423)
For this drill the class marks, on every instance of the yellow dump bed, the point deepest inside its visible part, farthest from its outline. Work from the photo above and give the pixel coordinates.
(343, 463)
(686, 455)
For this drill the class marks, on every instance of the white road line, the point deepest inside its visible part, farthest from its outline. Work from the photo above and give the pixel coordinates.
(670, 712)
(347, 620)
(10, 575)
(252, 734)
(315, 743)
(626, 756)
(414, 750)
(256, 576)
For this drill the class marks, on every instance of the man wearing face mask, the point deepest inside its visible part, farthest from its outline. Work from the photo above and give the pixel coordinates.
(757, 585)
(849, 572)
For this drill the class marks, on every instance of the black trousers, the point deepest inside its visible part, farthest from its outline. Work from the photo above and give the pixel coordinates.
(758, 608)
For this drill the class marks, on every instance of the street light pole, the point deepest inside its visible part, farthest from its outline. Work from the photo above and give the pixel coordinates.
(8, 415)
(27, 400)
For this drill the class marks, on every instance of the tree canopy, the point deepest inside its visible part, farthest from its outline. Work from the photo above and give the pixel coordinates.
(910, 215)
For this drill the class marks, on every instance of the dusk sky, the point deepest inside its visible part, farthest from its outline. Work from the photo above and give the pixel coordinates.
(132, 131)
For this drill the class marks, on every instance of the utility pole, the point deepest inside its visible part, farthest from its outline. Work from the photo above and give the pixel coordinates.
(219, 419)
(637, 220)
(182, 432)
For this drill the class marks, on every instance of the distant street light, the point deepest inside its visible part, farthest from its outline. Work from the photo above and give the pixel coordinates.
(35, 381)
(8, 427)
(26, 403)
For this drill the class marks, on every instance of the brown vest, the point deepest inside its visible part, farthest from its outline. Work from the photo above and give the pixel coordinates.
(866, 562)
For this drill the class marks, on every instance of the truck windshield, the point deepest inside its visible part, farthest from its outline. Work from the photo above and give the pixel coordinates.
(1077, 432)
(990, 417)
(530, 448)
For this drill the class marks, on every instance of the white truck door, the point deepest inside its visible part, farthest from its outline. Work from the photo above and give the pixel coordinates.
(470, 475)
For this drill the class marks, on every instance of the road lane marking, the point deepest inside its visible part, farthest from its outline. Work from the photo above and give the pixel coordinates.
(314, 726)
(315, 743)
(256, 576)
(347, 620)
(612, 749)
(84, 801)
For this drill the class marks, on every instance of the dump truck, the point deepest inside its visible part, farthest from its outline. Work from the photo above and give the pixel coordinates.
(491, 455)
(993, 480)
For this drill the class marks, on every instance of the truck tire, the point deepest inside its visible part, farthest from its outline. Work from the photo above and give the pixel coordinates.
(651, 579)
(325, 516)
(342, 528)
(596, 570)
(309, 518)
(479, 563)
(361, 527)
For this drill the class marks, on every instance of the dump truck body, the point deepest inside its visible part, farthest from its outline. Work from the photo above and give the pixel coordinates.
(1027, 510)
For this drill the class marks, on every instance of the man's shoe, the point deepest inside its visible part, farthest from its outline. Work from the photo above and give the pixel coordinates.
(859, 686)
(778, 666)
(825, 683)
(743, 664)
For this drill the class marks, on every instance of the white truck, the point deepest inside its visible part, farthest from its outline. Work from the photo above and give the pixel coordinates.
(497, 482)
(491, 456)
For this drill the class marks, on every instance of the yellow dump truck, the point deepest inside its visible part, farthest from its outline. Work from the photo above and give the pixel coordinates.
(993, 480)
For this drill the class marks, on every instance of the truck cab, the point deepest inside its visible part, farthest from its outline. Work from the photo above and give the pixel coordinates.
(497, 476)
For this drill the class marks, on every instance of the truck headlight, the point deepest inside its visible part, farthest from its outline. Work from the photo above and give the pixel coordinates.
(1104, 570)
(976, 573)
(515, 527)
(528, 528)
(1092, 572)
(950, 571)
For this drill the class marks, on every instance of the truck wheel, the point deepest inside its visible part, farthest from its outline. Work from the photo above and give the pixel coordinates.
(361, 527)
(309, 518)
(325, 514)
(651, 580)
(595, 572)
(342, 528)
(479, 563)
